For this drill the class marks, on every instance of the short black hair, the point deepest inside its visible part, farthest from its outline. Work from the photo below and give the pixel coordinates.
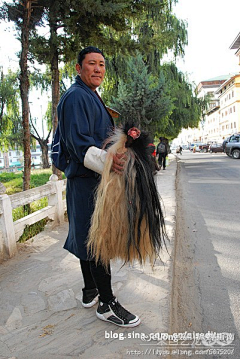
(88, 50)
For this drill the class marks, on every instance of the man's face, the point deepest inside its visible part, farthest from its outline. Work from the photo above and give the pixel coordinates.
(93, 70)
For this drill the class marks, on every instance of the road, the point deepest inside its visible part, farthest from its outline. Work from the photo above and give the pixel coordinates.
(206, 290)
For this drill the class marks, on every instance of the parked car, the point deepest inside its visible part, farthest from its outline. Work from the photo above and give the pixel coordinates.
(216, 147)
(204, 147)
(224, 143)
(195, 146)
(173, 148)
(232, 147)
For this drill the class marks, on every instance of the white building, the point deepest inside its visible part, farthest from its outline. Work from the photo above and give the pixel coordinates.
(236, 46)
(209, 127)
(13, 159)
(229, 112)
(222, 118)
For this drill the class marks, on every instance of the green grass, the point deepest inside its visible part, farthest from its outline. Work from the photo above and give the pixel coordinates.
(13, 183)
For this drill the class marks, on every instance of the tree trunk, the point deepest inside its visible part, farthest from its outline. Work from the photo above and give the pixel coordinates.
(24, 90)
(44, 148)
(54, 74)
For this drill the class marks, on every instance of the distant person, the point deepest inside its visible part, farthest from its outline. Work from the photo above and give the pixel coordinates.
(162, 152)
(153, 152)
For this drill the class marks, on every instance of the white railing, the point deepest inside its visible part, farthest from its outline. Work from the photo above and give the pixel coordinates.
(11, 231)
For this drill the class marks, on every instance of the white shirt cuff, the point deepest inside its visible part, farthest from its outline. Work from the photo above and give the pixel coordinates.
(94, 159)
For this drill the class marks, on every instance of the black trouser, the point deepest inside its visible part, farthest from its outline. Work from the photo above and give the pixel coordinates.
(96, 276)
(162, 159)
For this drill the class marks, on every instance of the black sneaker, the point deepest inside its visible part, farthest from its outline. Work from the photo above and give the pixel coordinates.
(114, 313)
(90, 297)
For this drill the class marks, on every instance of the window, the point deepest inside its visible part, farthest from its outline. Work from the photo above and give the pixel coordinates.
(235, 125)
(232, 93)
(234, 139)
(10, 153)
(231, 125)
(233, 108)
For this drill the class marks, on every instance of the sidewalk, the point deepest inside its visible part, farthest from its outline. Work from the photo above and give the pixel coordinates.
(41, 316)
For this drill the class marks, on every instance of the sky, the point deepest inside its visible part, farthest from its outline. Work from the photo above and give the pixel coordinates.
(212, 27)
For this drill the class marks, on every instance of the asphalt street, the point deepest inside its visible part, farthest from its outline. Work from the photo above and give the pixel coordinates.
(208, 245)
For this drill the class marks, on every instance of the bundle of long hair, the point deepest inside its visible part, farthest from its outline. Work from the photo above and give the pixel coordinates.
(128, 221)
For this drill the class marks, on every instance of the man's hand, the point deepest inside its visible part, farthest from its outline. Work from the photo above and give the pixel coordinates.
(119, 160)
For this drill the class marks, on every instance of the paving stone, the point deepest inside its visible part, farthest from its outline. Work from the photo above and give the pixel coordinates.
(15, 319)
(32, 303)
(62, 301)
(58, 281)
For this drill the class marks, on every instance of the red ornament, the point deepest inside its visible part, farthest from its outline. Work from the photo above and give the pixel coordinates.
(134, 132)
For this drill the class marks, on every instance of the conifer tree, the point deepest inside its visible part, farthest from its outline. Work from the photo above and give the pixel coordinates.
(155, 32)
(142, 99)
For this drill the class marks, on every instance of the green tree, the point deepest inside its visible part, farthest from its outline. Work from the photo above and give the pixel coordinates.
(159, 31)
(42, 81)
(43, 142)
(155, 31)
(142, 99)
(74, 24)
(10, 122)
(187, 108)
(118, 27)
(25, 15)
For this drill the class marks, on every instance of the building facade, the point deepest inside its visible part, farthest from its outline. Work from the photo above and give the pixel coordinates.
(209, 126)
(229, 111)
(222, 118)
(13, 159)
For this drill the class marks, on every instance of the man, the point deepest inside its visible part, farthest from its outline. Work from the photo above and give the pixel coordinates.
(162, 153)
(85, 124)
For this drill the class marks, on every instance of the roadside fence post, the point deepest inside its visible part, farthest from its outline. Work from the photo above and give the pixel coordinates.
(8, 246)
(56, 199)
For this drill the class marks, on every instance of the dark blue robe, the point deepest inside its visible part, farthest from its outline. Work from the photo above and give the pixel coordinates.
(84, 122)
